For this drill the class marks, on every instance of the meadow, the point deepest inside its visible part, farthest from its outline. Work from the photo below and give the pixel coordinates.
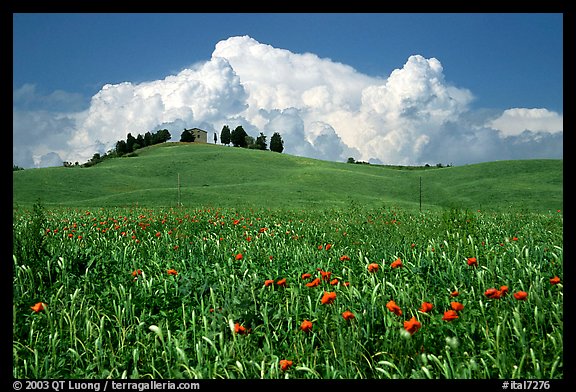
(353, 292)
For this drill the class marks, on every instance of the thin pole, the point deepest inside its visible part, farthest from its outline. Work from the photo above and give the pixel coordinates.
(420, 193)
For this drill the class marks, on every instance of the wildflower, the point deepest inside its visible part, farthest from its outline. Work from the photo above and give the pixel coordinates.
(394, 308)
(268, 282)
(348, 315)
(334, 282)
(328, 246)
(450, 315)
(306, 326)
(472, 262)
(426, 307)
(285, 364)
(457, 306)
(314, 283)
(328, 298)
(503, 290)
(158, 234)
(454, 293)
(325, 275)
(38, 307)
(320, 247)
(172, 272)
(306, 276)
(555, 280)
(412, 325)
(344, 258)
(239, 256)
(396, 263)
(281, 282)
(239, 329)
(520, 295)
(136, 272)
(373, 267)
(493, 293)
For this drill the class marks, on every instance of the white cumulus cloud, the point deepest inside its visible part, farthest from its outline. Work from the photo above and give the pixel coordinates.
(321, 108)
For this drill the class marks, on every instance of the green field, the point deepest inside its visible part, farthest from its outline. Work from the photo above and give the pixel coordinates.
(219, 176)
(136, 286)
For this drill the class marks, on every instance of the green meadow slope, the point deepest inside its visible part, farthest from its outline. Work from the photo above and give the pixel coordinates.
(207, 175)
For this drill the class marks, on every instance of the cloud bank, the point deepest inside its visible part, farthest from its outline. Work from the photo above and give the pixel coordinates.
(322, 109)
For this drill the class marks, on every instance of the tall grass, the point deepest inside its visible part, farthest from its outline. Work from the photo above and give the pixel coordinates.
(101, 320)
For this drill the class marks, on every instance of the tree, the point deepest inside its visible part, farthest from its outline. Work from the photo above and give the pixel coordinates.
(162, 136)
(238, 137)
(225, 135)
(276, 143)
(148, 139)
(261, 142)
(121, 148)
(187, 136)
(215, 138)
(130, 141)
(140, 141)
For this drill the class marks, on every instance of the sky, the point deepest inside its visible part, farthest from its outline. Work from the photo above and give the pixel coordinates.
(386, 88)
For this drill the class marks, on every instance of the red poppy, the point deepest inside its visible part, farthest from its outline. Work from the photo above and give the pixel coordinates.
(503, 290)
(268, 282)
(137, 272)
(38, 307)
(306, 326)
(239, 329)
(493, 293)
(334, 282)
(472, 261)
(426, 307)
(314, 283)
(555, 280)
(158, 234)
(412, 325)
(520, 295)
(457, 306)
(396, 263)
(306, 276)
(394, 308)
(454, 294)
(328, 298)
(172, 272)
(285, 364)
(325, 275)
(348, 315)
(373, 267)
(281, 282)
(450, 315)
(239, 256)
(344, 258)
(328, 246)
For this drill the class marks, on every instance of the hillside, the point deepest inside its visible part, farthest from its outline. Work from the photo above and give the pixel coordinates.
(207, 175)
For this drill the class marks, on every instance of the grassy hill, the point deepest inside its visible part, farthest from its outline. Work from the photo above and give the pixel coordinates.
(219, 176)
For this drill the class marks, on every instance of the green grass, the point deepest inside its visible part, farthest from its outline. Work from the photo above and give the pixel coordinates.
(99, 322)
(219, 176)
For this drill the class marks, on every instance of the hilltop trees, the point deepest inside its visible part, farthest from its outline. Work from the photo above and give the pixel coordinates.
(276, 143)
(187, 136)
(238, 137)
(261, 142)
(225, 135)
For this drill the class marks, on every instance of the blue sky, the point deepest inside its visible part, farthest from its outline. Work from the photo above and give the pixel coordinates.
(469, 75)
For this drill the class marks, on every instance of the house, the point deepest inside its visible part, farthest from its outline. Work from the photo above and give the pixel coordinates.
(200, 135)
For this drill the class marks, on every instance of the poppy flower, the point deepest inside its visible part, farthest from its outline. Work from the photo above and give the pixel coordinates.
(306, 326)
(472, 261)
(373, 267)
(412, 325)
(137, 272)
(306, 276)
(328, 246)
(520, 295)
(457, 306)
(38, 307)
(396, 263)
(555, 280)
(394, 308)
(493, 293)
(344, 258)
(172, 272)
(281, 282)
(285, 364)
(426, 307)
(328, 298)
(503, 290)
(314, 283)
(268, 282)
(450, 315)
(325, 275)
(334, 282)
(348, 315)
(454, 294)
(239, 329)
(239, 256)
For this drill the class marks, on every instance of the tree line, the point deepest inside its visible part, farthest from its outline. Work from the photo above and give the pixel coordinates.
(239, 138)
